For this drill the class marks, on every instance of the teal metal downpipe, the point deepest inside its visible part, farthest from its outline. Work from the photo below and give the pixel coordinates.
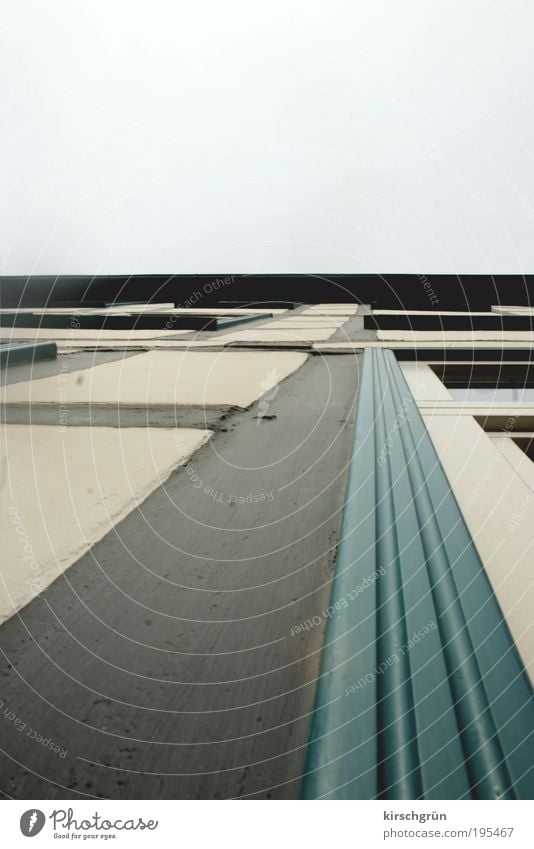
(421, 692)
(398, 766)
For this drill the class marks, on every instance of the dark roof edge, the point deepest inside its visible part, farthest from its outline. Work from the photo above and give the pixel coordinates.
(388, 291)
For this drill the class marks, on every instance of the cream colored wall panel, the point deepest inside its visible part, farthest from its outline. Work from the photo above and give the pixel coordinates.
(417, 336)
(454, 408)
(65, 488)
(503, 310)
(438, 343)
(429, 312)
(424, 383)
(498, 507)
(313, 334)
(303, 324)
(164, 378)
(331, 309)
(517, 458)
(251, 310)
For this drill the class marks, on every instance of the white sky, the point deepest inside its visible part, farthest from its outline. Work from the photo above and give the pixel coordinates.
(281, 136)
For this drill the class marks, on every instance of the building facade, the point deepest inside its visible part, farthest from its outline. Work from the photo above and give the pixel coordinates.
(269, 548)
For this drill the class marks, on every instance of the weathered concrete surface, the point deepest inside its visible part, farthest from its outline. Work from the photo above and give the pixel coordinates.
(65, 488)
(165, 377)
(191, 415)
(165, 667)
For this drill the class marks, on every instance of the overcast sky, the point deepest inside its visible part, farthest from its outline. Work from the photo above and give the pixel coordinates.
(275, 136)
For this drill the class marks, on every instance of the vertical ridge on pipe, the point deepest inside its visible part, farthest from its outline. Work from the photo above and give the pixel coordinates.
(460, 726)
(485, 762)
(398, 759)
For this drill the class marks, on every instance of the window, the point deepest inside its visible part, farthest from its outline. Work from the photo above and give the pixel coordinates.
(516, 429)
(488, 382)
(527, 446)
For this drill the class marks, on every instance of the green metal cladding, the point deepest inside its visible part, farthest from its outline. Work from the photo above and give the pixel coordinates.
(421, 693)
